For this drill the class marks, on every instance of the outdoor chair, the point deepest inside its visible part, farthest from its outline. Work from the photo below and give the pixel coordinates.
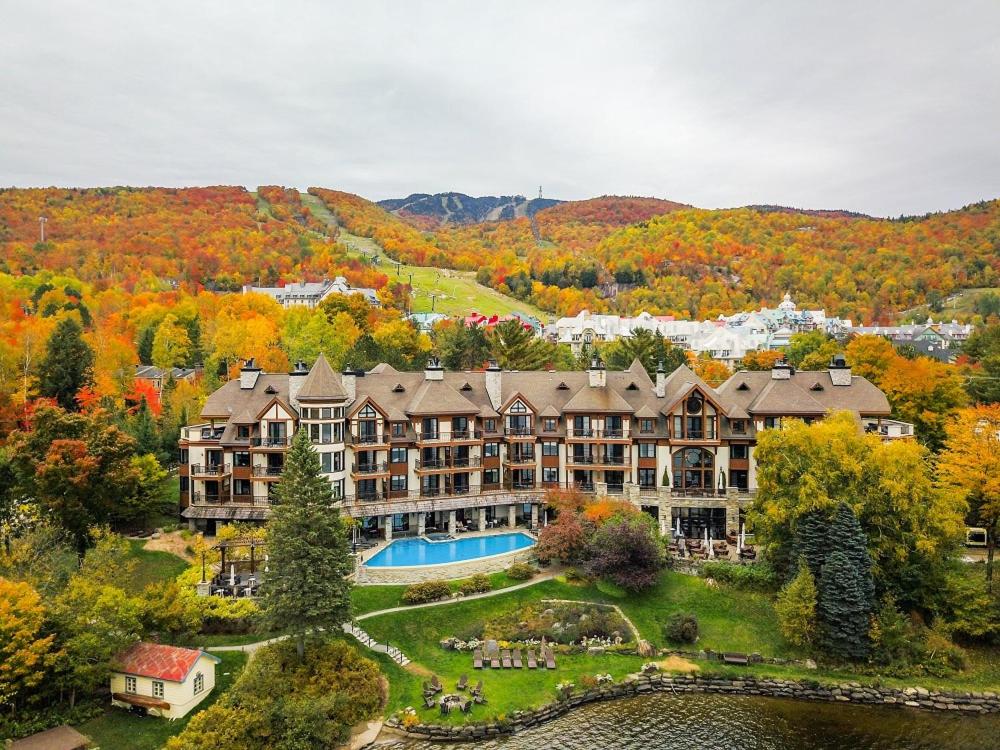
(463, 682)
(531, 659)
(517, 659)
(550, 659)
(477, 659)
(465, 705)
(478, 689)
(479, 698)
(506, 659)
(429, 701)
(445, 708)
(428, 690)
(495, 660)
(436, 684)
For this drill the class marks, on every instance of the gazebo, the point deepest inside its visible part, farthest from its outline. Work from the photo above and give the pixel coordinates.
(238, 573)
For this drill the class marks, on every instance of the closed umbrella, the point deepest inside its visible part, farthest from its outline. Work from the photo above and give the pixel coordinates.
(711, 552)
(679, 532)
(232, 575)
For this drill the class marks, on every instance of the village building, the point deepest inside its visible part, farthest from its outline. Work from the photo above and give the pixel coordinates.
(166, 681)
(311, 293)
(157, 377)
(407, 452)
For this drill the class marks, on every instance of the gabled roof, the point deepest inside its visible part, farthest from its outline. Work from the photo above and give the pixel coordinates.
(679, 385)
(764, 395)
(598, 399)
(232, 400)
(159, 661)
(549, 411)
(322, 383)
(646, 412)
(437, 397)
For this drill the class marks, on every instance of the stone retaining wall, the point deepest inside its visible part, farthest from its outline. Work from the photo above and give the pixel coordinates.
(420, 573)
(919, 698)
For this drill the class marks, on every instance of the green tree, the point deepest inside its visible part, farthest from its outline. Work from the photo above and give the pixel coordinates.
(796, 607)
(145, 345)
(308, 333)
(461, 347)
(842, 610)
(171, 344)
(515, 347)
(983, 350)
(306, 587)
(801, 345)
(648, 347)
(67, 366)
(142, 426)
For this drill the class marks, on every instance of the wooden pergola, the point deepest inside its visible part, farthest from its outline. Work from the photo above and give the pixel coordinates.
(251, 543)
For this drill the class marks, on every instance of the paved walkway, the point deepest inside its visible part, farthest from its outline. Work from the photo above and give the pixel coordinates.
(394, 653)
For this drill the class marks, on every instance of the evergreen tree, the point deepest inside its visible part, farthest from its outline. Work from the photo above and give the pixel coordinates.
(145, 345)
(845, 534)
(67, 366)
(366, 353)
(306, 587)
(515, 347)
(461, 347)
(142, 426)
(810, 543)
(842, 609)
(648, 347)
(193, 326)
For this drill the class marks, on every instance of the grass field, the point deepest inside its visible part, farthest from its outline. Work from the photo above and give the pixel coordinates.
(446, 291)
(366, 599)
(118, 729)
(961, 304)
(153, 567)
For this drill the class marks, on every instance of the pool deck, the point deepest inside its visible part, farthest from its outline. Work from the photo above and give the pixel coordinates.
(396, 575)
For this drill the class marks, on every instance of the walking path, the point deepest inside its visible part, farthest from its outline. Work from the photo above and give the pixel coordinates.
(394, 653)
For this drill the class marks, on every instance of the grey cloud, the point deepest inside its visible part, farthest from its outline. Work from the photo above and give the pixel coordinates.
(885, 108)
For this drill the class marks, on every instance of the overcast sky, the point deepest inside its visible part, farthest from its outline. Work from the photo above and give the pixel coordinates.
(884, 108)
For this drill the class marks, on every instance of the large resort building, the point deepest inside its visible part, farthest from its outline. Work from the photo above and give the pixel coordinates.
(410, 452)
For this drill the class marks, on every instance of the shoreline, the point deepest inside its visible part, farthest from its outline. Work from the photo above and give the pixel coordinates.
(921, 699)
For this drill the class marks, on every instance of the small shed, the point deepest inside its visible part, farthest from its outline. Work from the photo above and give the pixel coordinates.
(162, 680)
(57, 738)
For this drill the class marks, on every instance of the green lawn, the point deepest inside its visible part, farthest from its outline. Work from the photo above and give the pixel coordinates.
(153, 567)
(454, 292)
(117, 729)
(365, 599)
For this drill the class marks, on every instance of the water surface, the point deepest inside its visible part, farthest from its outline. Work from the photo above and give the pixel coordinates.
(715, 722)
(410, 552)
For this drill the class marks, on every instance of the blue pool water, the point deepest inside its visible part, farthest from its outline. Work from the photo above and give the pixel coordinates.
(408, 552)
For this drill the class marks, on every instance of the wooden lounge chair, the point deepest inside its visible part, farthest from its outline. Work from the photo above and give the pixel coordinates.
(550, 659)
(479, 698)
(445, 708)
(429, 701)
(531, 659)
(478, 689)
(463, 682)
(734, 658)
(428, 690)
(436, 684)
(516, 660)
(506, 658)
(495, 660)
(477, 659)
(465, 705)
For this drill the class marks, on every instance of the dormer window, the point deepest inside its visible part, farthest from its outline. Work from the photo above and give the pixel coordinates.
(815, 387)
(631, 387)
(271, 390)
(398, 388)
(562, 387)
(466, 387)
(518, 408)
(368, 412)
(743, 387)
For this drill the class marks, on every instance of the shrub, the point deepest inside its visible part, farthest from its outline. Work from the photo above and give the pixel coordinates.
(520, 571)
(627, 552)
(796, 607)
(479, 583)
(573, 575)
(682, 627)
(756, 577)
(564, 540)
(428, 591)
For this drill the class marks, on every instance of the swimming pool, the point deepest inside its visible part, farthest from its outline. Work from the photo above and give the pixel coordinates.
(403, 553)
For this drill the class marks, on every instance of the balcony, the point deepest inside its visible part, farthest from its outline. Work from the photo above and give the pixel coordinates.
(210, 470)
(259, 501)
(574, 433)
(267, 472)
(515, 433)
(520, 459)
(367, 439)
(598, 460)
(367, 469)
(268, 441)
(465, 435)
(441, 464)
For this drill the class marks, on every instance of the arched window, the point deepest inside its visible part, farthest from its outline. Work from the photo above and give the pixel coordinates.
(694, 468)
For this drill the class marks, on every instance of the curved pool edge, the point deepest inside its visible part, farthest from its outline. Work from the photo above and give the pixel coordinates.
(401, 574)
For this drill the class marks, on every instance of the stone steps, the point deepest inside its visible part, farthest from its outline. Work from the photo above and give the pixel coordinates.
(366, 640)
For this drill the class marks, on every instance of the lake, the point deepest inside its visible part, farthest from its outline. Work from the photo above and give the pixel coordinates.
(711, 722)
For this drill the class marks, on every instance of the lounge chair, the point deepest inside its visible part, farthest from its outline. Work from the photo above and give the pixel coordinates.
(428, 690)
(477, 659)
(479, 698)
(550, 659)
(495, 660)
(478, 689)
(531, 659)
(429, 701)
(516, 661)
(445, 708)
(734, 658)
(506, 659)
(436, 684)
(465, 705)
(463, 682)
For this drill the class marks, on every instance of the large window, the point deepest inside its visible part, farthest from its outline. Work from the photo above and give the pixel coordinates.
(694, 468)
(694, 521)
(397, 482)
(550, 474)
(550, 449)
(491, 450)
(647, 478)
(491, 476)
(647, 450)
(397, 455)
(738, 451)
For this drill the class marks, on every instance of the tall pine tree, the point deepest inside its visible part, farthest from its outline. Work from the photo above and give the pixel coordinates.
(842, 609)
(810, 543)
(68, 364)
(845, 533)
(306, 587)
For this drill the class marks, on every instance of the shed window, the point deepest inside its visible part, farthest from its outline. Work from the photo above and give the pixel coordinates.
(199, 683)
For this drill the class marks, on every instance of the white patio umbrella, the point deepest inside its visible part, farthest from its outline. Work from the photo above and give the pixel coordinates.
(743, 536)
(266, 569)
(711, 552)
(232, 575)
(679, 532)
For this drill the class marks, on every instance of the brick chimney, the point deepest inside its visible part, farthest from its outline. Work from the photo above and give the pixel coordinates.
(493, 384)
(248, 375)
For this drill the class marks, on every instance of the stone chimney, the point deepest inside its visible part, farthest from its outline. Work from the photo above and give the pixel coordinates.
(434, 370)
(840, 373)
(248, 375)
(350, 380)
(661, 380)
(598, 372)
(781, 370)
(493, 384)
(295, 380)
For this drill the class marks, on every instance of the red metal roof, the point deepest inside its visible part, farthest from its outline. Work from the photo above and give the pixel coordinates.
(157, 661)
